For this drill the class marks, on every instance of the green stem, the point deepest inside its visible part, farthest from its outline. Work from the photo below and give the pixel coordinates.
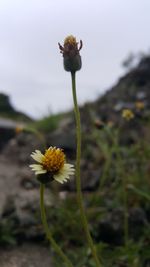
(78, 180)
(125, 195)
(105, 171)
(47, 231)
(125, 200)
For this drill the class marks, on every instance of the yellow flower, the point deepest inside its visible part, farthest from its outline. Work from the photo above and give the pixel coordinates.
(110, 124)
(99, 124)
(127, 114)
(70, 52)
(19, 129)
(70, 40)
(139, 105)
(53, 163)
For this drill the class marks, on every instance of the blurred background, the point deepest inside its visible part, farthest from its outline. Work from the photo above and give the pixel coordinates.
(36, 111)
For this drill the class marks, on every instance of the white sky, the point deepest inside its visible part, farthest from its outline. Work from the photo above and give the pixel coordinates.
(31, 69)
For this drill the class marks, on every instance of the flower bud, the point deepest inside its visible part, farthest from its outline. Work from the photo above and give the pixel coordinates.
(127, 114)
(71, 56)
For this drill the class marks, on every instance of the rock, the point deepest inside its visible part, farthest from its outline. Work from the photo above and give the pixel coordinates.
(26, 255)
(119, 106)
(65, 140)
(28, 183)
(9, 206)
(21, 148)
(110, 228)
(146, 263)
(137, 222)
(141, 95)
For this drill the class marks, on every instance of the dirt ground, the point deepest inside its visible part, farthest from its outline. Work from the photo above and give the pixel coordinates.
(28, 255)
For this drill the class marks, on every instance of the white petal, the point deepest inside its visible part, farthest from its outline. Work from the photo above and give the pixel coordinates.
(37, 156)
(64, 173)
(68, 168)
(69, 165)
(37, 168)
(40, 172)
(60, 178)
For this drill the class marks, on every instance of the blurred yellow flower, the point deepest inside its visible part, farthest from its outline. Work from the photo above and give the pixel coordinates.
(99, 124)
(110, 124)
(139, 105)
(127, 114)
(53, 163)
(19, 129)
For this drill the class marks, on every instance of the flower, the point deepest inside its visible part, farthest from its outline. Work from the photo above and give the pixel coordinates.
(99, 124)
(110, 124)
(139, 105)
(19, 129)
(127, 114)
(71, 56)
(51, 165)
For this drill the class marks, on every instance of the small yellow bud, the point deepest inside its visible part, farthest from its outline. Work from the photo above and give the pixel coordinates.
(19, 129)
(99, 124)
(139, 105)
(71, 56)
(110, 124)
(127, 114)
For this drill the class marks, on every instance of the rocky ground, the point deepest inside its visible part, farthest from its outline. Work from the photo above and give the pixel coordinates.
(27, 255)
(19, 198)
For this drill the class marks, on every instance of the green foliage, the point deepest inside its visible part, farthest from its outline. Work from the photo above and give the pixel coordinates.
(125, 171)
(7, 232)
(120, 162)
(48, 123)
(5, 105)
(67, 230)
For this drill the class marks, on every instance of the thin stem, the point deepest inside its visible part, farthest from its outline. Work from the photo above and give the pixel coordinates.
(105, 171)
(78, 180)
(125, 200)
(47, 231)
(125, 195)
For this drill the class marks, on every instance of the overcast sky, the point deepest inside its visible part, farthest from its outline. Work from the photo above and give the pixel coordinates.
(31, 69)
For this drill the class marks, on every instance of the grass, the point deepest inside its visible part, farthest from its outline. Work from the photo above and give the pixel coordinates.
(107, 202)
(48, 123)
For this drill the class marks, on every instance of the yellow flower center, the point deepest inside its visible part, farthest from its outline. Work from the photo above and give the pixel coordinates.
(54, 159)
(139, 105)
(70, 40)
(18, 129)
(127, 114)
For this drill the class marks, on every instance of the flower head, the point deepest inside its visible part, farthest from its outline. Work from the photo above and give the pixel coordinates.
(70, 51)
(99, 124)
(19, 129)
(51, 165)
(110, 124)
(127, 114)
(139, 105)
